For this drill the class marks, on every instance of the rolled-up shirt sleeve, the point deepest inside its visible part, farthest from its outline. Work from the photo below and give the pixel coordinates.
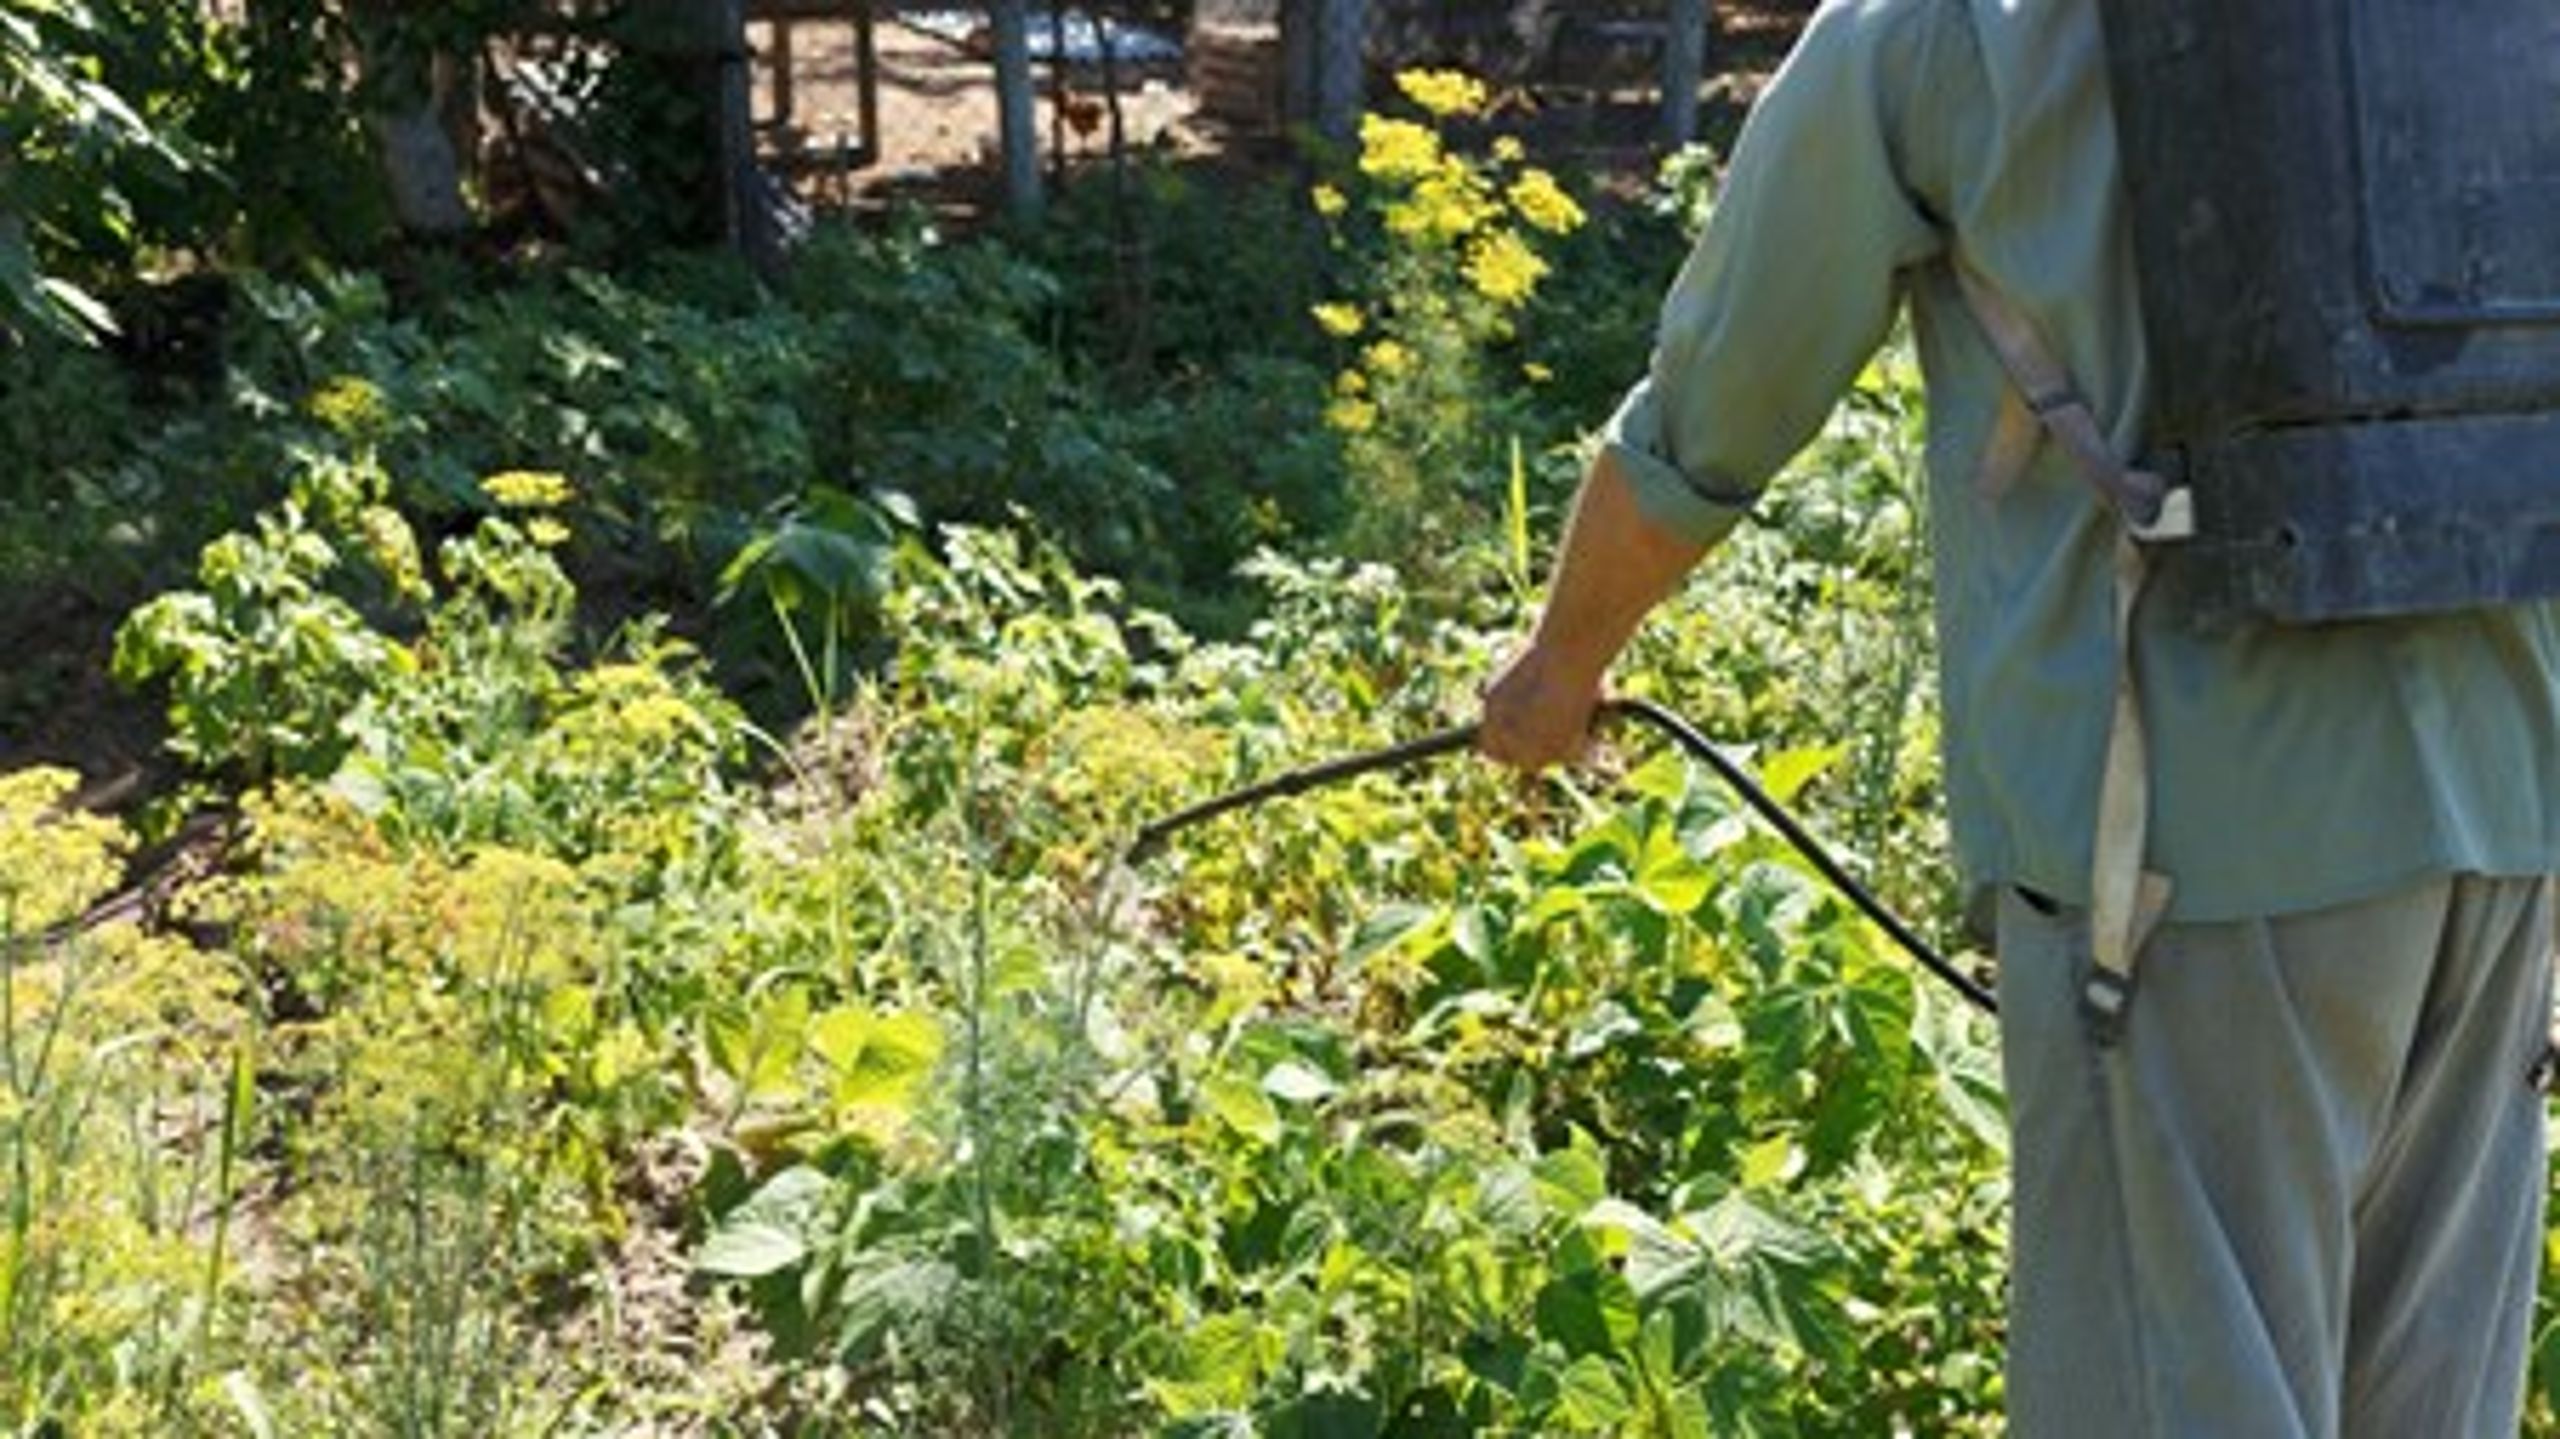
(1791, 287)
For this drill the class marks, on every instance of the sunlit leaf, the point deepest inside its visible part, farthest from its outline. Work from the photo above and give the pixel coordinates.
(1785, 773)
(1298, 1083)
(1602, 1026)
(1966, 1075)
(1657, 1256)
(1591, 1397)
(767, 1233)
(750, 1249)
(1570, 1181)
(1391, 927)
(1772, 1161)
(1664, 777)
(1242, 1106)
(877, 1058)
(1215, 1366)
(1668, 878)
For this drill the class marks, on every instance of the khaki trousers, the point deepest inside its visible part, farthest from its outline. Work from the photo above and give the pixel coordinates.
(2301, 1195)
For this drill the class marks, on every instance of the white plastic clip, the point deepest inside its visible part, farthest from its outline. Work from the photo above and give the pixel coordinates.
(2176, 519)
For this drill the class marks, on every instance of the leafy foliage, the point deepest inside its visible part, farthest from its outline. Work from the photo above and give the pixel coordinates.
(1447, 254)
(1394, 1110)
(123, 1103)
(555, 1049)
(77, 147)
(1594, 1144)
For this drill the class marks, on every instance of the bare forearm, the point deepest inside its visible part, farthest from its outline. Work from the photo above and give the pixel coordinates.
(1614, 567)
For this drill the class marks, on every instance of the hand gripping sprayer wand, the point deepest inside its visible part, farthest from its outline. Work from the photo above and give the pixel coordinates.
(1152, 837)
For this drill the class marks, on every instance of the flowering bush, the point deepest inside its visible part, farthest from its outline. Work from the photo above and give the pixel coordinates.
(1448, 252)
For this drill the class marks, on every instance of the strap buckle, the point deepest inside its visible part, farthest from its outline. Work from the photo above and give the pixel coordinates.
(2105, 999)
(2172, 518)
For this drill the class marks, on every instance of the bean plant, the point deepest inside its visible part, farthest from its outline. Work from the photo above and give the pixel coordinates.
(526, 1036)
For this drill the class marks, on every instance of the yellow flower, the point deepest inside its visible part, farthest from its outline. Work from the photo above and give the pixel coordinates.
(1388, 358)
(527, 489)
(1536, 373)
(1443, 92)
(1329, 201)
(55, 859)
(350, 406)
(1447, 205)
(1508, 149)
(1339, 320)
(1396, 149)
(1544, 204)
(1503, 268)
(1350, 382)
(547, 533)
(1351, 415)
(393, 547)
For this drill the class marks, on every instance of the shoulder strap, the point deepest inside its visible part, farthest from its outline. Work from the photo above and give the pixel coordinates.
(2125, 899)
(2151, 509)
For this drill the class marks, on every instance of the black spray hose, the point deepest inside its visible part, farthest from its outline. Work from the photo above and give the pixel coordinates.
(1463, 737)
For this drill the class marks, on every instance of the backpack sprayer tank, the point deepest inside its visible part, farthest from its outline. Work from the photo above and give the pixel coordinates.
(2346, 220)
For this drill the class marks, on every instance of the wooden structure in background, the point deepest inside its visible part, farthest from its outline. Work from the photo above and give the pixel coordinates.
(1239, 62)
(789, 138)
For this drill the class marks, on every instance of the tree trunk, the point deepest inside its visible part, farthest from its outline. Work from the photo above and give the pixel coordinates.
(1058, 96)
(1017, 130)
(697, 155)
(1684, 64)
(751, 204)
(1299, 21)
(1131, 282)
(1342, 28)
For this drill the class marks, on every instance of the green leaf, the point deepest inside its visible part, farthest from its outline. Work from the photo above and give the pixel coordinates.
(750, 1249)
(1554, 903)
(1772, 1161)
(877, 1058)
(1966, 1075)
(1590, 1396)
(1216, 1364)
(1472, 1276)
(1779, 1287)
(839, 545)
(767, 1232)
(1785, 773)
(1668, 879)
(1592, 1312)
(885, 1293)
(1298, 1083)
(1507, 1200)
(759, 1050)
(1602, 1026)
(1664, 777)
(1390, 928)
(1690, 1418)
(1571, 1181)
(1326, 1415)
(83, 309)
(1658, 1257)
(1241, 1105)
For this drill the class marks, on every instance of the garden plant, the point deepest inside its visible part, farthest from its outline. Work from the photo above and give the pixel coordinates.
(637, 933)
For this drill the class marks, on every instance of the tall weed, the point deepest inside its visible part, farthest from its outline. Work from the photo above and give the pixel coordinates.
(118, 1127)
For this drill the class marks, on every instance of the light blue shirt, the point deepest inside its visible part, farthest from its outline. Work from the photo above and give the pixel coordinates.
(2292, 768)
